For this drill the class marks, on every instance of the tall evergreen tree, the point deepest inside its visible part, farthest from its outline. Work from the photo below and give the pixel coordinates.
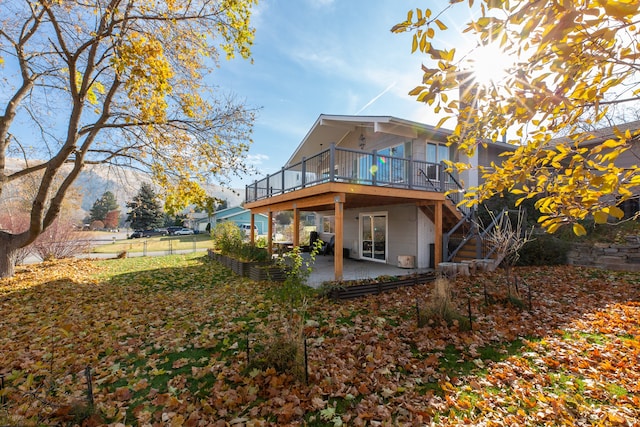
(103, 206)
(145, 210)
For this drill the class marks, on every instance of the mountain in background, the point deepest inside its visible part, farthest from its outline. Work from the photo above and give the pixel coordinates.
(95, 180)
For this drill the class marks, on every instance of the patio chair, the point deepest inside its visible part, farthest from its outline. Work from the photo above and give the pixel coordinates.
(328, 247)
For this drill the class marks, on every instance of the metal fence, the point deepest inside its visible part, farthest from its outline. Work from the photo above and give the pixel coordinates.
(358, 167)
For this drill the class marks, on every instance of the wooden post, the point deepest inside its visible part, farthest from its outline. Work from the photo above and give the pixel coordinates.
(339, 238)
(438, 238)
(270, 234)
(296, 226)
(252, 239)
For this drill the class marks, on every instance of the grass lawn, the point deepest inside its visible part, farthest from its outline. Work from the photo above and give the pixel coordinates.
(156, 244)
(174, 341)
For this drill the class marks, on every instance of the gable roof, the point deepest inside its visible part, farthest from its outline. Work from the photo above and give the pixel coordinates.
(229, 211)
(234, 211)
(334, 128)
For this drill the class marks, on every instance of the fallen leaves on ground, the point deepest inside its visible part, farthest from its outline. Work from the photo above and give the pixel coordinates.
(166, 340)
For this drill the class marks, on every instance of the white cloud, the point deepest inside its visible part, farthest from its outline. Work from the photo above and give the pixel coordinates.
(257, 159)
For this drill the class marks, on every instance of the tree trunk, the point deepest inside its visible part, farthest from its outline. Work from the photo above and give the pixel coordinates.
(7, 258)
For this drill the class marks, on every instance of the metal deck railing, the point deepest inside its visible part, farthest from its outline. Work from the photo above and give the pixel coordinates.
(358, 167)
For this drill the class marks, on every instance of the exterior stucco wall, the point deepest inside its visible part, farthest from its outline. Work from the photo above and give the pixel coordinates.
(409, 232)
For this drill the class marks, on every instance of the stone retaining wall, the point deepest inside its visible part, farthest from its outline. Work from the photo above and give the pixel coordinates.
(608, 256)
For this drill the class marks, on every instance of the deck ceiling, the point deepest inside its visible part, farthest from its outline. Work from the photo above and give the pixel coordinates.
(324, 196)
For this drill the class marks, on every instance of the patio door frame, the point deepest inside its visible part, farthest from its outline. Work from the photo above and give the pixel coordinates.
(372, 242)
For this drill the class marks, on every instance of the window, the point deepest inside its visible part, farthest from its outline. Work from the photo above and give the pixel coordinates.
(329, 224)
(436, 153)
(373, 236)
(390, 166)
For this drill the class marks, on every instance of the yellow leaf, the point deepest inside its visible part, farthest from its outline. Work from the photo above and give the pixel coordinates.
(442, 122)
(616, 212)
(600, 217)
(553, 227)
(579, 230)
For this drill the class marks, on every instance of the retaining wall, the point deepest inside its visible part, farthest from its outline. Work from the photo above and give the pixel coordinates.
(619, 257)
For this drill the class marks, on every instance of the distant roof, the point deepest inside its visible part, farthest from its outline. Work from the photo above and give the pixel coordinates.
(600, 135)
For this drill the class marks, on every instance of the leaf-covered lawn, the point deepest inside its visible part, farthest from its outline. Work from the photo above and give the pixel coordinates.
(166, 339)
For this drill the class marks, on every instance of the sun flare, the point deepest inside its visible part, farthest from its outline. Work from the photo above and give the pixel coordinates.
(490, 64)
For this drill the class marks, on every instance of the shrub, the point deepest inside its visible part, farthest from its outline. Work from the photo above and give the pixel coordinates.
(227, 237)
(262, 242)
(441, 307)
(248, 252)
(97, 225)
(60, 240)
(544, 250)
(283, 353)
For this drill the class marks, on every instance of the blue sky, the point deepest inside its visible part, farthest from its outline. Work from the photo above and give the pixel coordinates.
(313, 57)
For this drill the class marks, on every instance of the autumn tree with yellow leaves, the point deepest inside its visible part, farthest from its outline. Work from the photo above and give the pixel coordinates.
(571, 62)
(121, 83)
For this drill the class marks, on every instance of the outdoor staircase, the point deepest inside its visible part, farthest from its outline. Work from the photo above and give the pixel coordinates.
(465, 241)
(450, 214)
(467, 251)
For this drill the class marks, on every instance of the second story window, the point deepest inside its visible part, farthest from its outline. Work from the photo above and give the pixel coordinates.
(436, 153)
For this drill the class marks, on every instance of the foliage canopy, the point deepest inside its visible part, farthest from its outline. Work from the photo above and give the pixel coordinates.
(121, 83)
(571, 62)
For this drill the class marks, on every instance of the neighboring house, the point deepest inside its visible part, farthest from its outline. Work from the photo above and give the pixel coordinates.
(196, 221)
(241, 217)
(629, 159)
(377, 186)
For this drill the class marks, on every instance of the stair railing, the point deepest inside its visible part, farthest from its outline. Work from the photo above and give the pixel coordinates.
(481, 252)
(426, 177)
(446, 237)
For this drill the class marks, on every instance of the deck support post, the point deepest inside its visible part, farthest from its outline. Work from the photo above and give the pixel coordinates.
(296, 226)
(339, 238)
(270, 234)
(252, 238)
(438, 229)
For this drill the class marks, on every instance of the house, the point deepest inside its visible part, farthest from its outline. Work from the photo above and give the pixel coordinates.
(629, 159)
(242, 217)
(377, 185)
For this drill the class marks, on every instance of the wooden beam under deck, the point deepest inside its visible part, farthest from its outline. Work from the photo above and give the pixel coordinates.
(336, 197)
(322, 197)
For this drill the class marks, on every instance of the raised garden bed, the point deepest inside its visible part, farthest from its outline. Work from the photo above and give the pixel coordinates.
(263, 272)
(255, 270)
(357, 289)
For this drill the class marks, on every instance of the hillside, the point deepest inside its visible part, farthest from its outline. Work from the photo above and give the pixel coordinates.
(124, 184)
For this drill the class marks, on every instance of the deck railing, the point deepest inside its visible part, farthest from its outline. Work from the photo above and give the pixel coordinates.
(358, 167)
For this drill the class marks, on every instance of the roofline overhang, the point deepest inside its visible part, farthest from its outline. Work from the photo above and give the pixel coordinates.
(383, 124)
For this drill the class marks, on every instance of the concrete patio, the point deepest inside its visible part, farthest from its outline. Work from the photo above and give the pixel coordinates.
(355, 270)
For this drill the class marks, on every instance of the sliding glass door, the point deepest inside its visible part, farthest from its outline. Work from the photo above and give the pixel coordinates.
(373, 236)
